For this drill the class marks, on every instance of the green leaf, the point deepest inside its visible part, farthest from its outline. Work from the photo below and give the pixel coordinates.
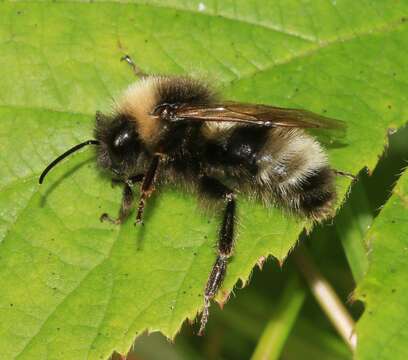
(381, 331)
(73, 288)
(365, 200)
(281, 322)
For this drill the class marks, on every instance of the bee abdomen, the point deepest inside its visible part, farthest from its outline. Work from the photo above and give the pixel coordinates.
(316, 194)
(312, 195)
(295, 172)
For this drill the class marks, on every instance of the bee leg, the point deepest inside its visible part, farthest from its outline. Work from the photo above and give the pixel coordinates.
(136, 69)
(135, 179)
(127, 200)
(216, 189)
(147, 187)
(115, 182)
(343, 173)
(125, 208)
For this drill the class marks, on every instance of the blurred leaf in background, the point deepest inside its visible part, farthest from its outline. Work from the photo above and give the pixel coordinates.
(73, 288)
(384, 287)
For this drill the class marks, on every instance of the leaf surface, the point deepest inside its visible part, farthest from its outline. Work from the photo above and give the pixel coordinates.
(382, 332)
(74, 288)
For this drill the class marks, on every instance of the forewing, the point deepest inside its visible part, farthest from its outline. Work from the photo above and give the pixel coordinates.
(263, 115)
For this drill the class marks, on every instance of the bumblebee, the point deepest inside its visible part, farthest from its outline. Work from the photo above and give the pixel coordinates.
(176, 130)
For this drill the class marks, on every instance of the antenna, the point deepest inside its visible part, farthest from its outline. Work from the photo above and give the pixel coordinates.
(64, 155)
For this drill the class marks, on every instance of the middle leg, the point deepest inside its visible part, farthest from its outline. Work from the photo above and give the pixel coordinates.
(217, 190)
(147, 187)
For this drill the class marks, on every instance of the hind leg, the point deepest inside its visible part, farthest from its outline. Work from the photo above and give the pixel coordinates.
(219, 191)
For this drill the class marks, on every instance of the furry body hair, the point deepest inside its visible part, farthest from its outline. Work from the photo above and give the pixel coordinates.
(282, 166)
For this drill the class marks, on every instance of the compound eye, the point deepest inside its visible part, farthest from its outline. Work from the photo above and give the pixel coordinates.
(122, 140)
(125, 143)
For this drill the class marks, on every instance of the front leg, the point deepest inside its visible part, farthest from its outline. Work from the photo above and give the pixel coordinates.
(217, 190)
(127, 201)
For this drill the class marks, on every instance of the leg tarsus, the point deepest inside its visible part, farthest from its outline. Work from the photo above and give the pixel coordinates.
(127, 199)
(205, 315)
(136, 69)
(213, 285)
(125, 208)
(344, 173)
(216, 276)
(140, 209)
(105, 217)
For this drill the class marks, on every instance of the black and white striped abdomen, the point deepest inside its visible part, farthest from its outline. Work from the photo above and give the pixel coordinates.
(293, 171)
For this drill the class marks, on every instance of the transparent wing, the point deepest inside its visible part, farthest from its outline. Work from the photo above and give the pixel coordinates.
(263, 115)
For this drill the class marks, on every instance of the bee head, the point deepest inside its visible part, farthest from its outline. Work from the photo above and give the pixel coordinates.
(120, 145)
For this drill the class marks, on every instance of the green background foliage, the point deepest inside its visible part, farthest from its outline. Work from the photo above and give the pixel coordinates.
(74, 288)
(384, 287)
